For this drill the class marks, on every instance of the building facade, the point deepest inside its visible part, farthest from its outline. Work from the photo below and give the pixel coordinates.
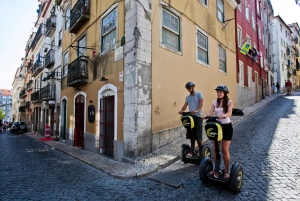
(295, 68)
(123, 63)
(282, 51)
(6, 104)
(252, 74)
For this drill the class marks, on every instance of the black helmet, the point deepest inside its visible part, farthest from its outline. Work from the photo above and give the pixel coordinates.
(222, 88)
(189, 84)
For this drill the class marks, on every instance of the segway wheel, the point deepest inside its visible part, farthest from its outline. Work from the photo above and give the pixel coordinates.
(205, 152)
(205, 167)
(185, 149)
(236, 178)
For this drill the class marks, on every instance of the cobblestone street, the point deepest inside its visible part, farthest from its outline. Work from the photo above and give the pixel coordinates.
(266, 144)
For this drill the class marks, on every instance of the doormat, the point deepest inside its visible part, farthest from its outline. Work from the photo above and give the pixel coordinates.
(44, 139)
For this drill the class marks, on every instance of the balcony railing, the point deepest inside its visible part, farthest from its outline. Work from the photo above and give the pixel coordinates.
(77, 72)
(22, 93)
(36, 37)
(48, 92)
(50, 25)
(27, 105)
(35, 96)
(29, 85)
(49, 58)
(22, 108)
(37, 68)
(79, 15)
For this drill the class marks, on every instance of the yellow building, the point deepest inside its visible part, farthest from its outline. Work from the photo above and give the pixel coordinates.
(125, 65)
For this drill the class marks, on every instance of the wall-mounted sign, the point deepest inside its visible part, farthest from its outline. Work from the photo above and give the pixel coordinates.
(245, 49)
(119, 53)
(91, 113)
(121, 76)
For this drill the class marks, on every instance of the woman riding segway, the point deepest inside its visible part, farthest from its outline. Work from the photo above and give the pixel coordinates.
(220, 130)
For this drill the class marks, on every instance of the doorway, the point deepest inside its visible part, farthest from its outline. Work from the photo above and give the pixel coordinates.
(79, 121)
(107, 125)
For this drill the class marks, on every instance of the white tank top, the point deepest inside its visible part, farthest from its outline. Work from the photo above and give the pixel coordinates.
(219, 111)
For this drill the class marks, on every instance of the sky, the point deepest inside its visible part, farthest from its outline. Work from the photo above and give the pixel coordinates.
(18, 18)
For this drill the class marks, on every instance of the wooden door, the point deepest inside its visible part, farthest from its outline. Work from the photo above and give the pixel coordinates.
(79, 122)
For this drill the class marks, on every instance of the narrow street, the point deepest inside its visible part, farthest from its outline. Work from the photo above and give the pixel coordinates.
(266, 144)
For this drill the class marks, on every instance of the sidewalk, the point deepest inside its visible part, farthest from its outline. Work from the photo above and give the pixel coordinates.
(150, 164)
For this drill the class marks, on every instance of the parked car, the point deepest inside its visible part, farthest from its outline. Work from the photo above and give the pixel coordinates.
(18, 126)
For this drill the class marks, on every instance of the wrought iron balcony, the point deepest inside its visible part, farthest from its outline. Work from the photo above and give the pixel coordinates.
(35, 96)
(77, 72)
(79, 15)
(37, 68)
(49, 58)
(22, 108)
(27, 105)
(29, 85)
(22, 94)
(48, 92)
(36, 37)
(50, 25)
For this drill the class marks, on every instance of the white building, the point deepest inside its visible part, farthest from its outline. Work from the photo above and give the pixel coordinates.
(281, 50)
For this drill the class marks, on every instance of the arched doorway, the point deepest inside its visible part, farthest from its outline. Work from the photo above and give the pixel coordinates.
(107, 104)
(79, 121)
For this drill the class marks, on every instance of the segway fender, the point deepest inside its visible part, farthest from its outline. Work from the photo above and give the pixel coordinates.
(236, 177)
(205, 152)
(205, 167)
(185, 149)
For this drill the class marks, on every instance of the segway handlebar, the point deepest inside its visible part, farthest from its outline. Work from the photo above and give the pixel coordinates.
(214, 118)
(186, 113)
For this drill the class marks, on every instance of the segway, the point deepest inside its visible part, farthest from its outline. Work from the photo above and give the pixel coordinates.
(213, 131)
(188, 122)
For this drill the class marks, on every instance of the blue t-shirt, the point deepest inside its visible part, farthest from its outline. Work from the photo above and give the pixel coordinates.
(193, 102)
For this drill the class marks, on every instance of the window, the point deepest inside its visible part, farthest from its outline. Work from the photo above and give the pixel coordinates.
(284, 56)
(222, 59)
(241, 73)
(257, 6)
(281, 42)
(202, 47)
(259, 32)
(220, 10)
(240, 7)
(247, 14)
(109, 31)
(248, 39)
(170, 30)
(240, 36)
(261, 60)
(59, 38)
(249, 76)
(281, 54)
(67, 19)
(285, 33)
(253, 21)
(281, 28)
(81, 51)
(204, 2)
(65, 64)
(282, 67)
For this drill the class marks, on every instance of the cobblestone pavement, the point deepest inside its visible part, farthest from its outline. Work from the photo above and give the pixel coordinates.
(265, 143)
